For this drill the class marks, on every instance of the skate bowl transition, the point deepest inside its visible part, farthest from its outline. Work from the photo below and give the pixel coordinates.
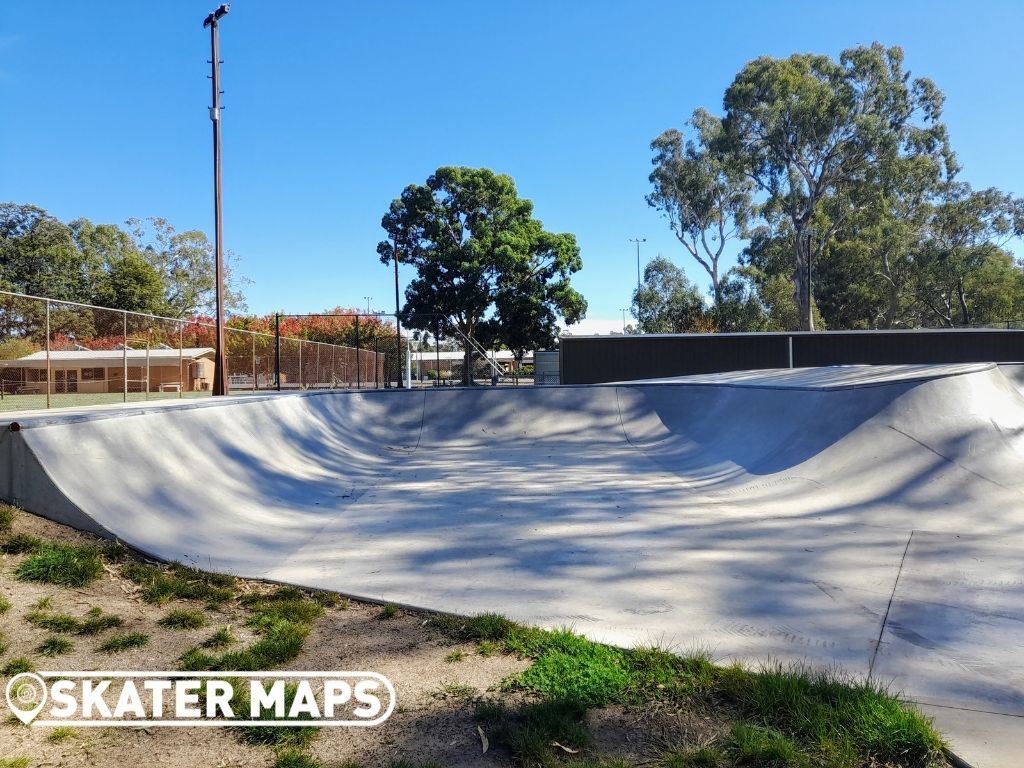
(868, 517)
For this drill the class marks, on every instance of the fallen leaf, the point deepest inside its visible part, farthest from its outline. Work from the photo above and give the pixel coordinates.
(483, 740)
(565, 748)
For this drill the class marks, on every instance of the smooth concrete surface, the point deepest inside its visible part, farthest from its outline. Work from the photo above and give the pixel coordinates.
(865, 517)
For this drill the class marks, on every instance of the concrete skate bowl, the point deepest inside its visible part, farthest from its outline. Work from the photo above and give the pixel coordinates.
(870, 518)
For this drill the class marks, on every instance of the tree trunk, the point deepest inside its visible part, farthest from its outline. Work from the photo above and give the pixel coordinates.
(801, 283)
(467, 364)
(961, 294)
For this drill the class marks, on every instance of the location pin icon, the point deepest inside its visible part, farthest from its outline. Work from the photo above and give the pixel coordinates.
(26, 695)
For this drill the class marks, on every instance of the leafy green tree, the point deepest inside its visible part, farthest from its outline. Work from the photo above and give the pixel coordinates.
(702, 192)
(667, 302)
(38, 255)
(185, 262)
(965, 235)
(482, 260)
(809, 130)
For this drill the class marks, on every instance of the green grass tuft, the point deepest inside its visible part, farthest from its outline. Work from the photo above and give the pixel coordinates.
(705, 757)
(331, 600)
(222, 638)
(388, 611)
(5, 605)
(63, 733)
(16, 666)
(6, 517)
(179, 582)
(15, 762)
(455, 656)
(20, 543)
(70, 565)
(183, 618)
(295, 758)
(766, 748)
(55, 646)
(43, 603)
(256, 735)
(95, 622)
(125, 642)
(530, 730)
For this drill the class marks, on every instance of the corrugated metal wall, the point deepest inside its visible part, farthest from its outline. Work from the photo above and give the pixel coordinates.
(599, 359)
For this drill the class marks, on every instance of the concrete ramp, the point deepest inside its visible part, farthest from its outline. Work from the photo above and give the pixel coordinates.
(868, 517)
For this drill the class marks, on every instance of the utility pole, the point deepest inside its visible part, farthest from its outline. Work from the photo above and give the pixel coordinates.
(220, 367)
(398, 320)
(638, 240)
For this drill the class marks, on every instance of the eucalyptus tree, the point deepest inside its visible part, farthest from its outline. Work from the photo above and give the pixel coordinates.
(809, 130)
(702, 192)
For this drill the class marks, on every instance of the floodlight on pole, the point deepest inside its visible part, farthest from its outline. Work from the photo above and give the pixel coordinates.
(220, 367)
(368, 304)
(623, 310)
(638, 240)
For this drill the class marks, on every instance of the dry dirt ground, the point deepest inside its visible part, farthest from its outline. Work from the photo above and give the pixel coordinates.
(433, 722)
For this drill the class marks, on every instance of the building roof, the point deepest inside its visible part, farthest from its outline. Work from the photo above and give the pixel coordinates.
(107, 357)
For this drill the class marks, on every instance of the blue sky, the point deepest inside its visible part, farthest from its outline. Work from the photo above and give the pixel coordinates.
(333, 107)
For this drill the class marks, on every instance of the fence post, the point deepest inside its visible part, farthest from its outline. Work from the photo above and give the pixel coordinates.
(255, 385)
(182, 373)
(124, 356)
(301, 380)
(376, 364)
(277, 351)
(49, 374)
(789, 343)
(359, 375)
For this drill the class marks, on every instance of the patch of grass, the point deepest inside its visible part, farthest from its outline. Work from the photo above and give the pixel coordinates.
(569, 667)
(115, 552)
(196, 660)
(183, 618)
(179, 582)
(54, 622)
(15, 762)
(272, 610)
(69, 565)
(295, 758)
(94, 622)
(331, 600)
(3, 644)
(389, 611)
(222, 638)
(125, 642)
(455, 691)
(6, 517)
(55, 646)
(530, 730)
(455, 656)
(766, 747)
(43, 603)
(704, 757)
(16, 666)
(486, 648)
(20, 543)
(490, 627)
(5, 605)
(837, 718)
(63, 733)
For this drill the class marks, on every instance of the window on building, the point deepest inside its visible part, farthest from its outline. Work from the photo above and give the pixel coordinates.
(92, 374)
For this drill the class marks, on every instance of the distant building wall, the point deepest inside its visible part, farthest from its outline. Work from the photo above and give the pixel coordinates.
(600, 359)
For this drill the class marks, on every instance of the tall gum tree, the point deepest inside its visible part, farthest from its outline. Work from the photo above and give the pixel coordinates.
(481, 260)
(809, 128)
(702, 192)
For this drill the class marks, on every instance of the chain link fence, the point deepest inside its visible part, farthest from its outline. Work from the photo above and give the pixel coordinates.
(56, 354)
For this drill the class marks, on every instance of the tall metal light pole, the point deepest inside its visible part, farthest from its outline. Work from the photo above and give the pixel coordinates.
(368, 304)
(623, 311)
(398, 320)
(638, 240)
(220, 367)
